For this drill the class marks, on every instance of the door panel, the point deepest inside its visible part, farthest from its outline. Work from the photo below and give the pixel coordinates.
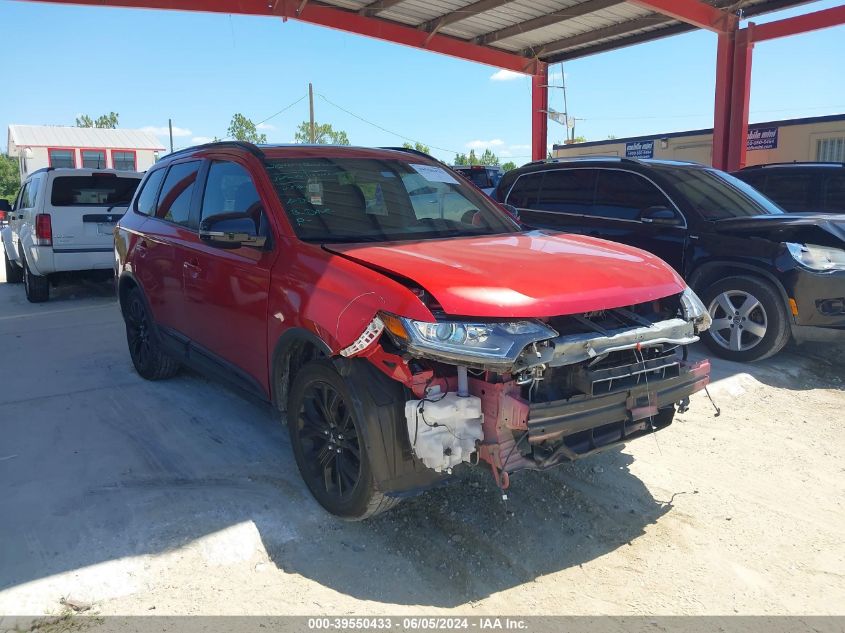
(227, 290)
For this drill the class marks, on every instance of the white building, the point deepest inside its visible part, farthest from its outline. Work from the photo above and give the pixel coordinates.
(38, 146)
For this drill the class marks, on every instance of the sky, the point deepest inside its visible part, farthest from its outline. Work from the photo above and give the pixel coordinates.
(199, 69)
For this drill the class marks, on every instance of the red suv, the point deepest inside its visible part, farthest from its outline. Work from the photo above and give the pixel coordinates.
(402, 320)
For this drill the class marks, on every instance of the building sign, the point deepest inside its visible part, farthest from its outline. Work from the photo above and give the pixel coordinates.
(762, 138)
(639, 149)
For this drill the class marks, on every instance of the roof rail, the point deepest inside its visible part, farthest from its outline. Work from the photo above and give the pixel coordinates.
(250, 147)
(797, 163)
(584, 159)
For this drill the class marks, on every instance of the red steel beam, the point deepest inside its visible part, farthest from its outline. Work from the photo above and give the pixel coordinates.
(799, 24)
(332, 17)
(540, 112)
(740, 98)
(722, 110)
(693, 12)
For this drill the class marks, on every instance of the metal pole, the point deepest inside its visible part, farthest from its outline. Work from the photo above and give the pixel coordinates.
(565, 106)
(311, 136)
(170, 127)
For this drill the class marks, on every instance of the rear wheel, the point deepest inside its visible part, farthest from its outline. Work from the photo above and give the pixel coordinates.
(14, 273)
(328, 444)
(37, 287)
(147, 356)
(750, 321)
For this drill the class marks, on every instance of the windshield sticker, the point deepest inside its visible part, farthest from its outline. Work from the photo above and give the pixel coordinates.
(315, 191)
(434, 174)
(374, 197)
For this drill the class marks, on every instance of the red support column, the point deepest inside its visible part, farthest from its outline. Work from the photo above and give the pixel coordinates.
(740, 98)
(539, 111)
(722, 109)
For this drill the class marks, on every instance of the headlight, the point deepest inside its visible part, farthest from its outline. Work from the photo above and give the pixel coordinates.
(817, 257)
(695, 310)
(484, 343)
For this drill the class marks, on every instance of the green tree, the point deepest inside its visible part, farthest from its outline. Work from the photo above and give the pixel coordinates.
(420, 147)
(472, 159)
(461, 159)
(107, 121)
(324, 134)
(243, 129)
(508, 165)
(10, 178)
(611, 137)
(579, 139)
(488, 158)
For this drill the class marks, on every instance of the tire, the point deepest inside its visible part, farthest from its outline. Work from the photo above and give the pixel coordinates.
(150, 361)
(328, 444)
(750, 321)
(14, 273)
(37, 287)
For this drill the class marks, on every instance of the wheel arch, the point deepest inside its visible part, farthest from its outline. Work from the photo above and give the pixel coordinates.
(709, 273)
(295, 348)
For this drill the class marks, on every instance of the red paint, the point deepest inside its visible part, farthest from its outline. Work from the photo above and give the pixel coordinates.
(540, 112)
(799, 24)
(740, 99)
(693, 12)
(524, 275)
(337, 18)
(722, 108)
(72, 151)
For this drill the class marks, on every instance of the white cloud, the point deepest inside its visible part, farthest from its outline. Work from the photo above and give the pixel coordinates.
(199, 140)
(265, 126)
(482, 145)
(505, 75)
(163, 131)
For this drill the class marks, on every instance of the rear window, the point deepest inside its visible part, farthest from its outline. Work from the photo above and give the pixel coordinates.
(96, 190)
(479, 177)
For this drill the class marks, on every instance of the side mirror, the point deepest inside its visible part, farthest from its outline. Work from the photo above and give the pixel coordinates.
(231, 230)
(660, 215)
(5, 205)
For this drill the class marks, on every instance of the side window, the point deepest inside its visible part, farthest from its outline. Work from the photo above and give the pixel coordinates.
(622, 195)
(791, 191)
(22, 195)
(568, 190)
(833, 193)
(174, 202)
(526, 191)
(29, 194)
(93, 158)
(146, 202)
(62, 157)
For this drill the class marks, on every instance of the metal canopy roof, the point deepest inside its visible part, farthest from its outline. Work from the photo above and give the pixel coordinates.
(548, 30)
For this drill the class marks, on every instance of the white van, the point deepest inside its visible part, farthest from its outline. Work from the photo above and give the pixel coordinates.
(62, 223)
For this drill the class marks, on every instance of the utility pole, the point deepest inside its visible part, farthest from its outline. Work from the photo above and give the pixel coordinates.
(311, 135)
(170, 127)
(565, 106)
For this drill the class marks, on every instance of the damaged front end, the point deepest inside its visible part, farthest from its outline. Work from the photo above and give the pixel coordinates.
(534, 393)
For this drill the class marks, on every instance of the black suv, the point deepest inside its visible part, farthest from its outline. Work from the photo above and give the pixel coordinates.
(800, 187)
(764, 275)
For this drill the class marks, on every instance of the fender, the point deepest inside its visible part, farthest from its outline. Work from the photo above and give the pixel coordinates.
(9, 245)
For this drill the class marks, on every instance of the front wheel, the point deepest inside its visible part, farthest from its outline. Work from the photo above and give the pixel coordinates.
(328, 444)
(14, 273)
(750, 321)
(37, 287)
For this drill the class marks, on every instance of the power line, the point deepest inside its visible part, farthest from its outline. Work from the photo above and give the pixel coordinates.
(383, 129)
(272, 116)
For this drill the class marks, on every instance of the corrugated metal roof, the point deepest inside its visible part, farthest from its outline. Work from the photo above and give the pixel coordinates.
(551, 30)
(65, 136)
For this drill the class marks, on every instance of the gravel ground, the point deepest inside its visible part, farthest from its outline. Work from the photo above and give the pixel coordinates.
(182, 497)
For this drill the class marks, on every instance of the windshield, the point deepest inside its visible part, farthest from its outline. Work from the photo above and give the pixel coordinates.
(374, 200)
(105, 190)
(717, 195)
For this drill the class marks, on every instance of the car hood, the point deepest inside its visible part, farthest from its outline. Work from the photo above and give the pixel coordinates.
(825, 229)
(533, 274)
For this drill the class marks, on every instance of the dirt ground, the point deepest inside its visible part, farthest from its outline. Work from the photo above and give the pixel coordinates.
(182, 497)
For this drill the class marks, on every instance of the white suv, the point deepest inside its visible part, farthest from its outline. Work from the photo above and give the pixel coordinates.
(62, 222)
